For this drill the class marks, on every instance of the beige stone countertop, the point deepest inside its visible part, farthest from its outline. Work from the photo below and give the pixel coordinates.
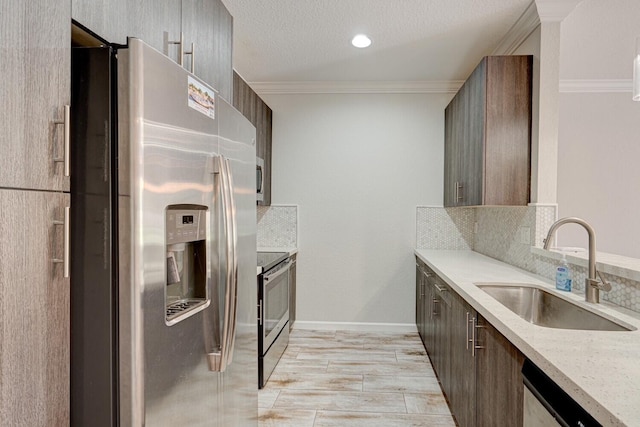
(599, 369)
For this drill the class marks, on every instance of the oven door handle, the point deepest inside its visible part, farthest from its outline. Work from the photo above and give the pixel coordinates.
(272, 276)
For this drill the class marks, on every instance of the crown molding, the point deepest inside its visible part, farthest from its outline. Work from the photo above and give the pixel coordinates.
(518, 33)
(596, 86)
(555, 10)
(335, 87)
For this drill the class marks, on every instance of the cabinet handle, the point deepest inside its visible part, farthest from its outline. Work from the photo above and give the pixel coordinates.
(67, 233)
(66, 122)
(475, 347)
(439, 288)
(434, 312)
(260, 312)
(192, 52)
(459, 187)
(467, 328)
(179, 42)
(421, 290)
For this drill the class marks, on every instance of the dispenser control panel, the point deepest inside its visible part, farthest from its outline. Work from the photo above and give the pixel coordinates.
(186, 226)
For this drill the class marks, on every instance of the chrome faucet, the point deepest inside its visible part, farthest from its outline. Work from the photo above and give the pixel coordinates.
(592, 285)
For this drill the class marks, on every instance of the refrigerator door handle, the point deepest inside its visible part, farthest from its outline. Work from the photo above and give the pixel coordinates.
(218, 361)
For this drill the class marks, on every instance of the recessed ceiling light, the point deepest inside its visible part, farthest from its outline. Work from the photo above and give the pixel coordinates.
(361, 41)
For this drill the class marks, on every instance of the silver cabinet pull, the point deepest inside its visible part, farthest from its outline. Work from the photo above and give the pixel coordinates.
(439, 288)
(66, 122)
(467, 328)
(192, 52)
(458, 191)
(179, 42)
(181, 52)
(474, 345)
(66, 245)
(260, 312)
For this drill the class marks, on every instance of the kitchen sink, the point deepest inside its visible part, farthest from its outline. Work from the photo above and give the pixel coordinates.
(543, 308)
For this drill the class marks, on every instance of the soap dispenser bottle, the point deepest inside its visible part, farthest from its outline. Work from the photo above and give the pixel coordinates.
(563, 275)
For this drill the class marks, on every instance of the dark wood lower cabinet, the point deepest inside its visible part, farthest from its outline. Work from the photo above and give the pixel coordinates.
(478, 368)
(462, 393)
(499, 386)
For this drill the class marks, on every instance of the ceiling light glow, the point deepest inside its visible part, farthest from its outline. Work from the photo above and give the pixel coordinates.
(361, 41)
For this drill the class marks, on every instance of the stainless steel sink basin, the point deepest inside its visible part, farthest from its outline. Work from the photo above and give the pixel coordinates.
(543, 308)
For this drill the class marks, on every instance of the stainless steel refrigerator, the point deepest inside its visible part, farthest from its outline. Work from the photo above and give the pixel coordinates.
(163, 246)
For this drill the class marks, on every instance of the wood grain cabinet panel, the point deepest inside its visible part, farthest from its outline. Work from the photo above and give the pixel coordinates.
(205, 23)
(34, 88)
(462, 392)
(209, 25)
(260, 115)
(34, 310)
(478, 368)
(499, 382)
(110, 19)
(115, 20)
(488, 135)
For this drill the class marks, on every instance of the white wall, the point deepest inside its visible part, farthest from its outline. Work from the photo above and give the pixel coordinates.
(599, 133)
(357, 165)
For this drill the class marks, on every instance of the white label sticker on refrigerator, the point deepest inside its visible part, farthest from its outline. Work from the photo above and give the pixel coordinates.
(202, 98)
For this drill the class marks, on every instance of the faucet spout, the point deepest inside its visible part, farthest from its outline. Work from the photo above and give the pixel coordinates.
(592, 284)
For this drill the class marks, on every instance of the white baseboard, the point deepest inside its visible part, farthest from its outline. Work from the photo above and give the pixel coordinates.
(356, 326)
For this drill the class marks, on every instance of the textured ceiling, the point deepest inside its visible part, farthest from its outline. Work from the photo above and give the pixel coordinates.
(413, 40)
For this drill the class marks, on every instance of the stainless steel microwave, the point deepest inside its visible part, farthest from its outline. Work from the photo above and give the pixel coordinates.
(259, 179)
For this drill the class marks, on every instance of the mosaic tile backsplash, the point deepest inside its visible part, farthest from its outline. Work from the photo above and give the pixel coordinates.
(277, 227)
(506, 234)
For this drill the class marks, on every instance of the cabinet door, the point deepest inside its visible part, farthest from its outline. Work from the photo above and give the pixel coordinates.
(152, 19)
(472, 141)
(267, 123)
(499, 383)
(115, 20)
(442, 346)
(209, 25)
(428, 319)
(419, 298)
(508, 130)
(462, 393)
(35, 86)
(109, 19)
(450, 154)
(34, 310)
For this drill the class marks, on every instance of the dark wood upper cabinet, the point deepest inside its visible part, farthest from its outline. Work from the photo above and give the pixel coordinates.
(260, 115)
(205, 23)
(488, 135)
(209, 26)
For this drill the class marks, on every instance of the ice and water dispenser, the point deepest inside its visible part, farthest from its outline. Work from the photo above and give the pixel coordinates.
(186, 244)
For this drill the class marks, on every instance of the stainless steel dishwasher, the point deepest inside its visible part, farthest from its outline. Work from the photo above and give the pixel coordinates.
(547, 405)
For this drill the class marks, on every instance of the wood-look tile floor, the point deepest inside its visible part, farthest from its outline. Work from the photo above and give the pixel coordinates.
(352, 379)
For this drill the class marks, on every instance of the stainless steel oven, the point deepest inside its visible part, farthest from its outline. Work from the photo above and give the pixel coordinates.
(273, 318)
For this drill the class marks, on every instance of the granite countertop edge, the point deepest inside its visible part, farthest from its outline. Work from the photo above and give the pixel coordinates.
(598, 369)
